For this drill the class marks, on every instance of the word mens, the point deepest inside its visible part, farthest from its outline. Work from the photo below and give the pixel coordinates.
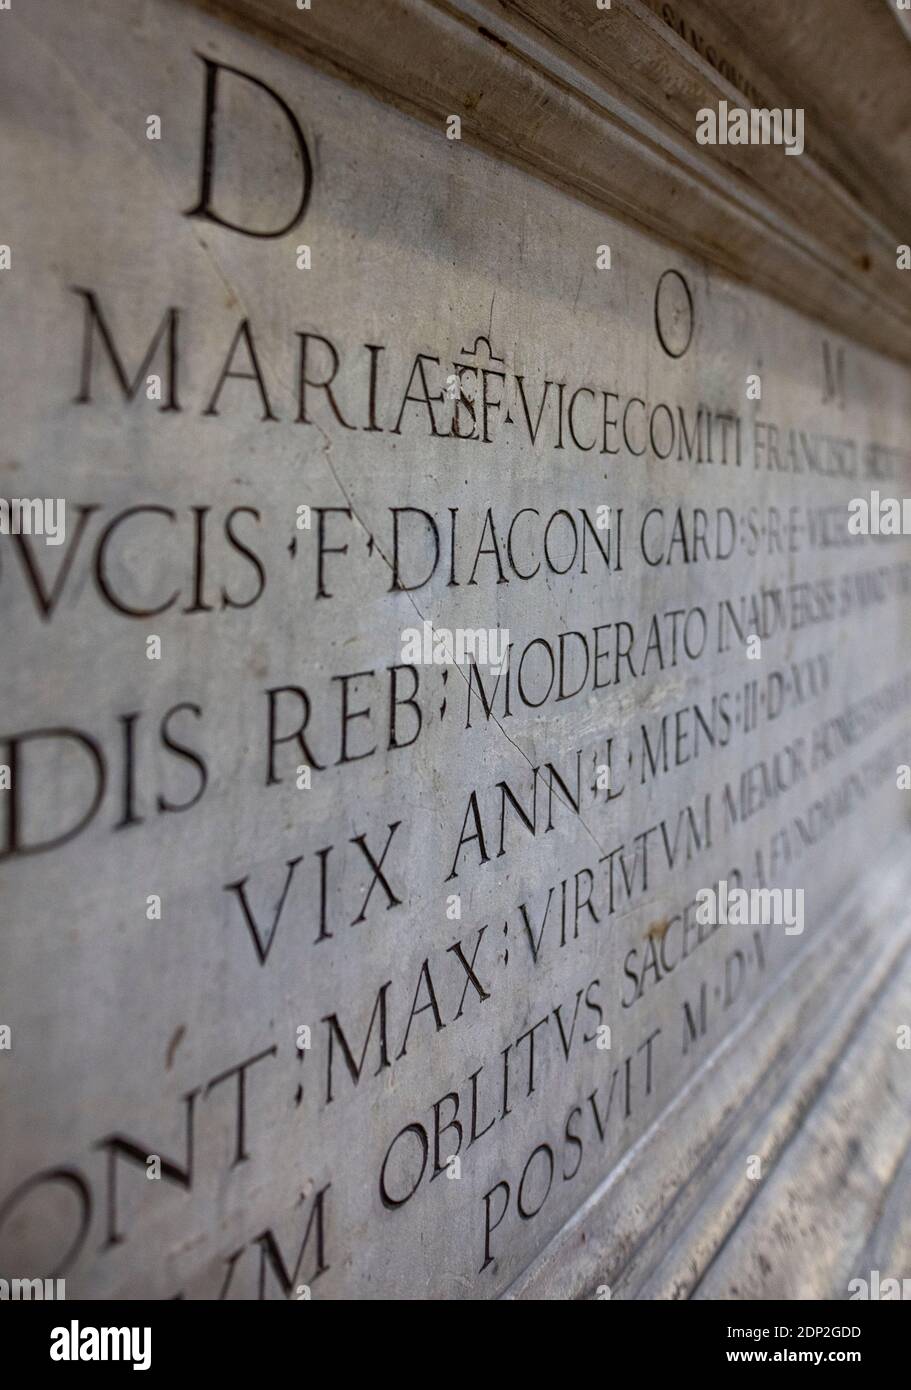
(758, 126)
(103, 1344)
(881, 516)
(429, 646)
(34, 516)
(755, 907)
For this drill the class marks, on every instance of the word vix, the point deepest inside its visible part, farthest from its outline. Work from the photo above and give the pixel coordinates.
(881, 516)
(754, 907)
(733, 125)
(34, 516)
(430, 646)
(103, 1344)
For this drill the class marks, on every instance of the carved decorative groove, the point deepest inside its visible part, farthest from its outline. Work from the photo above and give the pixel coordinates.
(603, 105)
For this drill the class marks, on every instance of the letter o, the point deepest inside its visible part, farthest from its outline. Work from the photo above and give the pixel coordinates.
(572, 525)
(553, 672)
(651, 431)
(71, 1177)
(671, 340)
(542, 1148)
(694, 612)
(385, 1198)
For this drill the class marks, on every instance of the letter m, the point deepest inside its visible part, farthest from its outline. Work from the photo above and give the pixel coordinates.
(336, 1035)
(94, 324)
(270, 1252)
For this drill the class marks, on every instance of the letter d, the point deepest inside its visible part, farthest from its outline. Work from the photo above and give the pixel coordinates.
(14, 836)
(207, 167)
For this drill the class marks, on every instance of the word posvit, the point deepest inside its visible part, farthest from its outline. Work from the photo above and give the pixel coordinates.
(430, 646)
(757, 126)
(103, 1344)
(754, 907)
(34, 516)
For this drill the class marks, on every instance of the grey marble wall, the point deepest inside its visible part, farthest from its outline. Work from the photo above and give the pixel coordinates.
(389, 960)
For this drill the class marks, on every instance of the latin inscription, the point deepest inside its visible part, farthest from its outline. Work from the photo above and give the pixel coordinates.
(388, 962)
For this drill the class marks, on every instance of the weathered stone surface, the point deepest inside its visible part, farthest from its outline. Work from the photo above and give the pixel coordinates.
(455, 390)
